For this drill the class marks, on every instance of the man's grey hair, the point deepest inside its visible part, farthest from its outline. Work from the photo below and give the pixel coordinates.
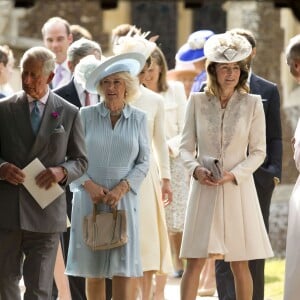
(292, 51)
(41, 54)
(82, 48)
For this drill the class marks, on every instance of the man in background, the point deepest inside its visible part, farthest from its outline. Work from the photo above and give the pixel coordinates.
(57, 37)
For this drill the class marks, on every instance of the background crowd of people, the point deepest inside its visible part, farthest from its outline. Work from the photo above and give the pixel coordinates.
(124, 131)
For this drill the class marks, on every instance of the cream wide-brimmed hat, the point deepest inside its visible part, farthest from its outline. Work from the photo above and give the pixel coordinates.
(227, 48)
(132, 63)
(137, 43)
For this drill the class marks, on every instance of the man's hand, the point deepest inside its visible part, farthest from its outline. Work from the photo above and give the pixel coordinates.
(51, 175)
(12, 174)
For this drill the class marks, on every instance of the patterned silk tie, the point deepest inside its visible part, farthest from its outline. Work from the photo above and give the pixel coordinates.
(58, 76)
(35, 117)
(87, 101)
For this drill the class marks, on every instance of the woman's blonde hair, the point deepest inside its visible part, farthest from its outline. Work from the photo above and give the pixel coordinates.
(213, 87)
(131, 86)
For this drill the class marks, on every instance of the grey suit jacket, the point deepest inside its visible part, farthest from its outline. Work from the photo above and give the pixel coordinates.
(59, 142)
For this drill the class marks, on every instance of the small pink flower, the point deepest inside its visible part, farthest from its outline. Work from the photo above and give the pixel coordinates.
(55, 114)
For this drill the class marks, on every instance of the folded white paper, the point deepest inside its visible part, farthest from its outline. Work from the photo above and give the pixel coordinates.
(42, 196)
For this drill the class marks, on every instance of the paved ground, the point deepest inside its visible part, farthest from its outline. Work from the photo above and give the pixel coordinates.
(171, 291)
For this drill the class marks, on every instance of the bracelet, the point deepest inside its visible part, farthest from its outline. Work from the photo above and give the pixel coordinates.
(127, 182)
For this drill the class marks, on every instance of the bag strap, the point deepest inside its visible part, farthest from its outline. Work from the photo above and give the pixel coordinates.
(114, 211)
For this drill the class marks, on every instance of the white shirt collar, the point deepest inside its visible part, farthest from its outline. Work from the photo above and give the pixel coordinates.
(42, 100)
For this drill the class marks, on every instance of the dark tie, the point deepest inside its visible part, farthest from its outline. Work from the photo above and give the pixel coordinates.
(35, 117)
(87, 100)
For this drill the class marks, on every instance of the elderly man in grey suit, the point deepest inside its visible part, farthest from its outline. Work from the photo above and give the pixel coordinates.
(35, 123)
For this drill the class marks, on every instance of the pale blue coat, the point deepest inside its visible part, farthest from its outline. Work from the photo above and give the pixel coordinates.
(114, 154)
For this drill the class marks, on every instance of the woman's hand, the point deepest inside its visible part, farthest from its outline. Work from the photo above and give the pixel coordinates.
(96, 191)
(227, 177)
(166, 191)
(113, 196)
(203, 176)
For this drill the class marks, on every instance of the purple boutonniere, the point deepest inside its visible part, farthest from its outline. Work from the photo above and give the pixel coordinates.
(55, 114)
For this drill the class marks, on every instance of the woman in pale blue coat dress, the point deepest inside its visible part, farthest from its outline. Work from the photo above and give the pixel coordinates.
(118, 152)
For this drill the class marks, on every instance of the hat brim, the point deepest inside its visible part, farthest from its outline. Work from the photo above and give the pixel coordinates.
(187, 55)
(132, 63)
(227, 48)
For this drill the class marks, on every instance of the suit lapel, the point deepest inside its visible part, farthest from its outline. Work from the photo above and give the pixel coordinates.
(52, 118)
(74, 95)
(20, 112)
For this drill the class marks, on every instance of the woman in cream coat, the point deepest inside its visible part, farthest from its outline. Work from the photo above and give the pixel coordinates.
(292, 273)
(155, 190)
(292, 264)
(174, 100)
(223, 217)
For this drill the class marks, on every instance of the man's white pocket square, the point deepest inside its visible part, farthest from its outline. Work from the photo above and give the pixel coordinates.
(59, 129)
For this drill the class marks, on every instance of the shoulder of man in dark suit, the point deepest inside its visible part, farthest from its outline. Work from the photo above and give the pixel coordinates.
(69, 93)
(269, 93)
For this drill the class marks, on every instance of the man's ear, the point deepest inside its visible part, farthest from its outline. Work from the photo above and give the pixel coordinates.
(50, 77)
(71, 66)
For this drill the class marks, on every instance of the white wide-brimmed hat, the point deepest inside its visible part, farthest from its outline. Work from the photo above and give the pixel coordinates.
(132, 63)
(227, 48)
(85, 67)
(137, 43)
(192, 51)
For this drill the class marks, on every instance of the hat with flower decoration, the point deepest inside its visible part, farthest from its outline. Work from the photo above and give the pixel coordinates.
(227, 48)
(136, 43)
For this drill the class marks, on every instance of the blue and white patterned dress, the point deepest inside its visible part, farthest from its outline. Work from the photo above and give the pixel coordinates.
(114, 154)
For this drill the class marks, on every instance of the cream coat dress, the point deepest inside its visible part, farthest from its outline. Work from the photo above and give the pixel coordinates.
(175, 105)
(225, 219)
(292, 262)
(154, 242)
